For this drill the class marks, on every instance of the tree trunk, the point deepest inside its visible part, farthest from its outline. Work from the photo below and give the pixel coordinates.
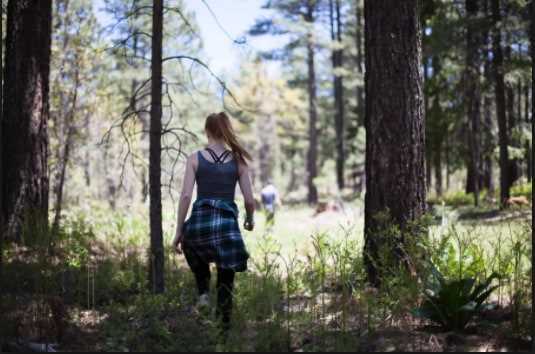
(26, 110)
(361, 112)
(2, 212)
(447, 153)
(488, 168)
(487, 131)
(337, 61)
(156, 267)
(87, 158)
(470, 178)
(442, 127)
(267, 135)
(360, 109)
(529, 167)
(428, 150)
(293, 175)
(532, 39)
(312, 155)
(438, 170)
(395, 171)
(134, 103)
(68, 125)
(511, 118)
(503, 136)
(473, 97)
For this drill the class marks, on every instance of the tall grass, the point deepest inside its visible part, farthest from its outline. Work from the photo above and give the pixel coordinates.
(304, 292)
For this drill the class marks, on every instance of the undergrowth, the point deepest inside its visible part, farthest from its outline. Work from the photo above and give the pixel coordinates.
(311, 301)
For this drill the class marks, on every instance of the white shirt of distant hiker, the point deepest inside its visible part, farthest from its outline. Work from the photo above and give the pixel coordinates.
(270, 195)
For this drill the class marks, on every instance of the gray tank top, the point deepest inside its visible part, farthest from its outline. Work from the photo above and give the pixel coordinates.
(218, 179)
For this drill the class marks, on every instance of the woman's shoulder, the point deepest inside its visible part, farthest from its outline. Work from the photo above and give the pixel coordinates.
(243, 167)
(193, 158)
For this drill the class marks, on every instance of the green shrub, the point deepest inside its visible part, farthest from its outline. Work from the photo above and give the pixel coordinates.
(522, 190)
(453, 303)
(459, 198)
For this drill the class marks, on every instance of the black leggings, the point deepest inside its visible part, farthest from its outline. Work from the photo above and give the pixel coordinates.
(225, 284)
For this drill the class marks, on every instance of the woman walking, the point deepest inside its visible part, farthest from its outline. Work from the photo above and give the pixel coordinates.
(212, 233)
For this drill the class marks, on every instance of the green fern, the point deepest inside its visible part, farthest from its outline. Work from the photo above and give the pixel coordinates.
(452, 304)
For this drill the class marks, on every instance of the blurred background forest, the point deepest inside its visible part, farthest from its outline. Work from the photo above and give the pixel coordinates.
(100, 102)
(292, 76)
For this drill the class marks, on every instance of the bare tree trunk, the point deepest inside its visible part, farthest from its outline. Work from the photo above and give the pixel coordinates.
(87, 158)
(2, 211)
(473, 96)
(293, 176)
(360, 107)
(511, 117)
(428, 150)
(438, 170)
(26, 110)
(439, 140)
(156, 267)
(134, 103)
(488, 181)
(266, 132)
(395, 128)
(488, 136)
(529, 166)
(505, 184)
(447, 152)
(532, 39)
(65, 156)
(337, 61)
(312, 156)
(360, 67)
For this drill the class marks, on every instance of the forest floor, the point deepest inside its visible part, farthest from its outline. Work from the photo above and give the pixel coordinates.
(281, 304)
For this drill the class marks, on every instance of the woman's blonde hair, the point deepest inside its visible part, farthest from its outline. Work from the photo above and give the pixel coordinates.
(218, 126)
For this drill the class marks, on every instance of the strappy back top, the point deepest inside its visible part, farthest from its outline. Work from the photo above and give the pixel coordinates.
(218, 179)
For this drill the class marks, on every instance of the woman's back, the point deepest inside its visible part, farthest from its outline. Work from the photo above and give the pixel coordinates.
(216, 177)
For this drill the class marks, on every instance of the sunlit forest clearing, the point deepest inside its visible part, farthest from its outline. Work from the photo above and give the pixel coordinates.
(398, 136)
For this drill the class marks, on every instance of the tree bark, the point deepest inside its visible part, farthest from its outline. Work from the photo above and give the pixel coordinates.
(26, 111)
(503, 135)
(2, 211)
(395, 161)
(487, 131)
(312, 155)
(156, 266)
(337, 61)
(532, 40)
(473, 97)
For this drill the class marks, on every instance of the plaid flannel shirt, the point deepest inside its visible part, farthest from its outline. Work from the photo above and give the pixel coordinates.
(212, 232)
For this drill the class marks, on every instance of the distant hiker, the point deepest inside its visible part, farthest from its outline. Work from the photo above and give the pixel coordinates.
(270, 199)
(212, 233)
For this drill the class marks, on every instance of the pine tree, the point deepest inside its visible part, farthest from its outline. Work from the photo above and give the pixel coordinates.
(499, 87)
(395, 173)
(302, 12)
(156, 272)
(26, 110)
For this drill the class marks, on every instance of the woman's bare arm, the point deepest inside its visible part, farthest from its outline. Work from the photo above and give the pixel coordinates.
(247, 191)
(185, 199)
